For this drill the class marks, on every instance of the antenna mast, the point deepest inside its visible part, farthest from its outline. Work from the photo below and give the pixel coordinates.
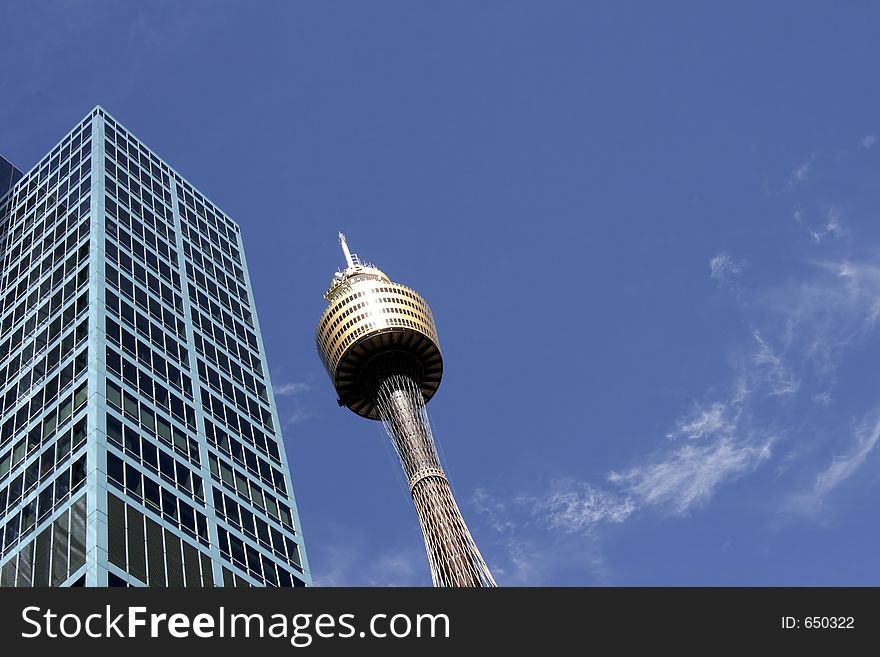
(351, 260)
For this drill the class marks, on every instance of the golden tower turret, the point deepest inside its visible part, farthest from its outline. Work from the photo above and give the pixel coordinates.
(379, 344)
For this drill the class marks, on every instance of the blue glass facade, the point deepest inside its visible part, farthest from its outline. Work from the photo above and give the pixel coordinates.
(139, 438)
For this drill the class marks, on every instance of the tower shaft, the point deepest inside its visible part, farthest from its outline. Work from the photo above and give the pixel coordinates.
(453, 555)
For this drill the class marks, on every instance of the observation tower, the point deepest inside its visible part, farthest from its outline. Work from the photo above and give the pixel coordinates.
(379, 344)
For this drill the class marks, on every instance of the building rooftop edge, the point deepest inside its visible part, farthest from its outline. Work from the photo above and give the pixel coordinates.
(100, 110)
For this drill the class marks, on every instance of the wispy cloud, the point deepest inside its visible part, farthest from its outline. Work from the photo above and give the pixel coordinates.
(522, 557)
(688, 477)
(824, 315)
(292, 408)
(830, 224)
(832, 227)
(868, 141)
(799, 174)
(291, 389)
(784, 404)
(771, 370)
(862, 284)
(573, 516)
(801, 331)
(843, 466)
(724, 268)
(811, 501)
(723, 440)
(298, 415)
(704, 421)
(576, 507)
(713, 444)
(810, 324)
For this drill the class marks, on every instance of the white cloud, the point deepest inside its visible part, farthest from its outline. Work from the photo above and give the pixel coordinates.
(689, 476)
(799, 174)
(570, 506)
(842, 467)
(812, 502)
(704, 421)
(832, 226)
(291, 389)
(520, 557)
(800, 333)
(771, 371)
(868, 141)
(724, 440)
(828, 316)
(297, 416)
(576, 507)
(812, 324)
(723, 268)
(827, 313)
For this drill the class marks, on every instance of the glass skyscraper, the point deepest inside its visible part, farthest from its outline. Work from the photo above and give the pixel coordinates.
(139, 438)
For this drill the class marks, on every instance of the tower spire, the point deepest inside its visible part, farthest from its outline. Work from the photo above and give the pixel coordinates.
(349, 260)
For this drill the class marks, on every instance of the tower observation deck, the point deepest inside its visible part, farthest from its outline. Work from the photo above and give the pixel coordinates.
(379, 344)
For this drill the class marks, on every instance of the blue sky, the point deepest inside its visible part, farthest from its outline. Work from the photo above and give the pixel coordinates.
(649, 236)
